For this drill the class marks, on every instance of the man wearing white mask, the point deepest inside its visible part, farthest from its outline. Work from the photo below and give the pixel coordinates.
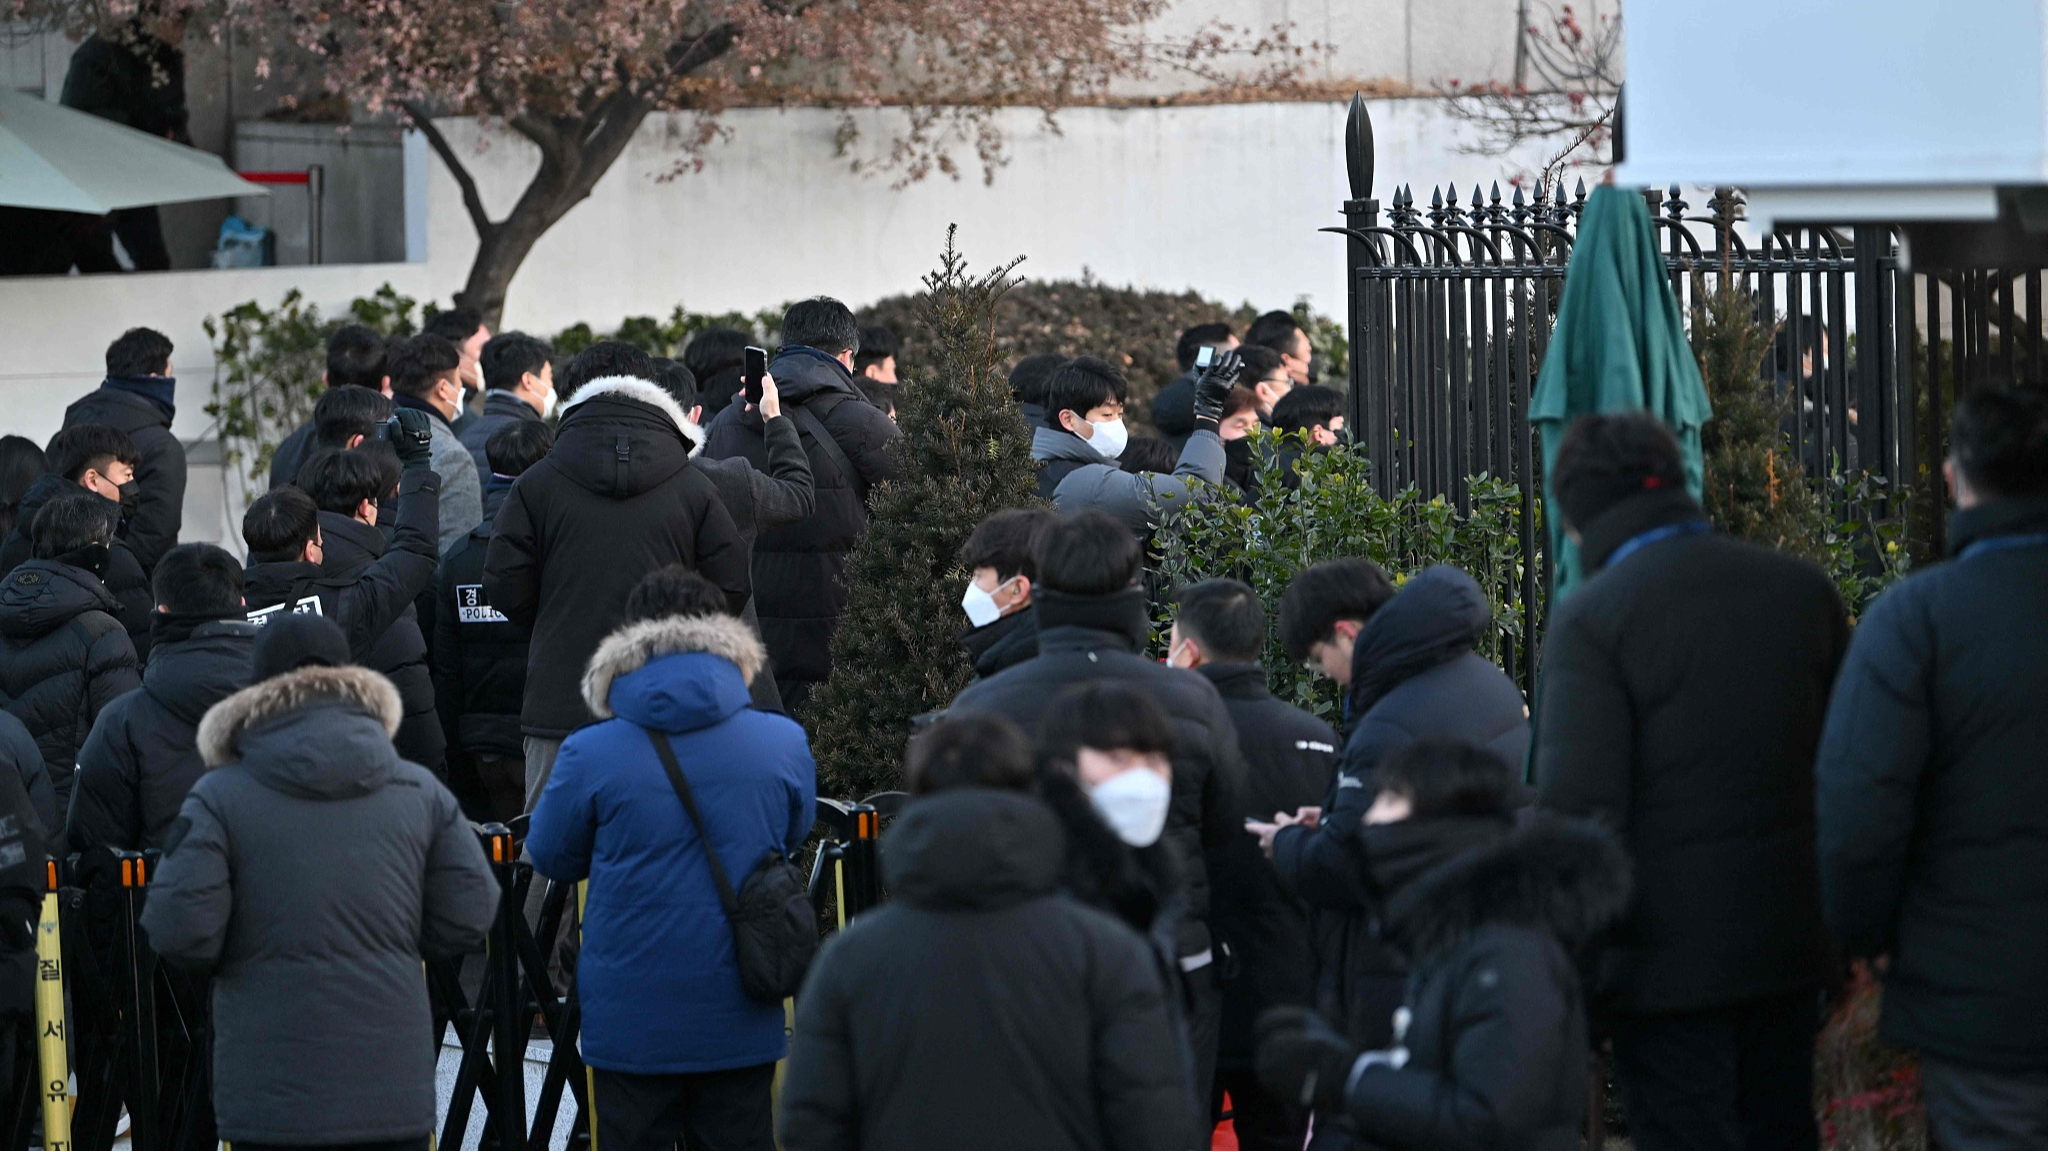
(1002, 621)
(1092, 626)
(1084, 434)
(519, 378)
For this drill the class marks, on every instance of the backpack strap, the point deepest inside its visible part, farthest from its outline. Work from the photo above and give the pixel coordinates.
(807, 421)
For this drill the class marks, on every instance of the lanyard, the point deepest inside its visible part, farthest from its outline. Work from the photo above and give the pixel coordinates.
(1636, 543)
(2002, 543)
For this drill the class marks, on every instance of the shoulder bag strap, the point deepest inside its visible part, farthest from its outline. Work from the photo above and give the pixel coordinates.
(809, 422)
(681, 784)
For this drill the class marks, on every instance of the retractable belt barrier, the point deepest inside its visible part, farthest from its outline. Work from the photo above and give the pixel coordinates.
(854, 857)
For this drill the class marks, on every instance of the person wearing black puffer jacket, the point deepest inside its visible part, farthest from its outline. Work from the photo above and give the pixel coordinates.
(100, 459)
(143, 755)
(63, 655)
(1492, 913)
(1029, 1020)
(617, 498)
(1408, 662)
(138, 398)
(1092, 627)
(800, 570)
(1219, 631)
(1683, 691)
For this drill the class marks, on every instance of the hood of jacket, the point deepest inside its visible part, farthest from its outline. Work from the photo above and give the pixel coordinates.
(801, 373)
(1436, 617)
(347, 544)
(622, 436)
(2004, 517)
(1008, 640)
(1630, 518)
(1068, 623)
(675, 674)
(1237, 681)
(319, 733)
(130, 403)
(191, 675)
(40, 596)
(1060, 444)
(1567, 877)
(973, 849)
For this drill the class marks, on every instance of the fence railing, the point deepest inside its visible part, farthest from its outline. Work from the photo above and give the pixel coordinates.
(1452, 302)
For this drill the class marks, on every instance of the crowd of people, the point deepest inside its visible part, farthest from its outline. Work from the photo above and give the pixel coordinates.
(1131, 892)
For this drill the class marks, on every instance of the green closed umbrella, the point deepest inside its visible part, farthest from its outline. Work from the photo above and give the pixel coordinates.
(1619, 346)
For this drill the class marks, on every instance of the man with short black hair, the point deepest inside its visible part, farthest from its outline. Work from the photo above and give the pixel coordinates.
(519, 378)
(347, 416)
(1683, 692)
(143, 755)
(356, 357)
(1281, 332)
(1265, 373)
(1219, 632)
(1077, 448)
(348, 487)
(1173, 410)
(479, 655)
(463, 327)
(617, 497)
(426, 377)
(63, 655)
(138, 398)
(876, 359)
(1314, 409)
(1027, 386)
(100, 459)
(1093, 626)
(1001, 573)
(1932, 815)
(800, 569)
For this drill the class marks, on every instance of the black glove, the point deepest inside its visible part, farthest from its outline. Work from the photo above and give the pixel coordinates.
(1215, 385)
(412, 436)
(1303, 1060)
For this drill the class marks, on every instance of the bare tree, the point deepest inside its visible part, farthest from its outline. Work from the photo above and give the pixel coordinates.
(1565, 92)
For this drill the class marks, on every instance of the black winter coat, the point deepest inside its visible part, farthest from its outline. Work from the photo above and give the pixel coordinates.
(1289, 756)
(123, 575)
(1414, 675)
(616, 499)
(153, 529)
(1087, 638)
(63, 658)
(20, 756)
(1933, 799)
(500, 408)
(349, 548)
(1173, 410)
(1683, 693)
(1027, 1020)
(800, 569)
(27, 808)
(761, 500)
(131, 78)
(290, 455)
(309, 872)
(479, 655)
(143, 755)
(1495, 1026)
(1009, 641)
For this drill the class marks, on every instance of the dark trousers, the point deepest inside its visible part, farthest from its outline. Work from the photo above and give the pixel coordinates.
(1982, 1108)
(730, 1109)
(1260, 1119)
(1205, 1030)
(1734, 1077)
(503, 779)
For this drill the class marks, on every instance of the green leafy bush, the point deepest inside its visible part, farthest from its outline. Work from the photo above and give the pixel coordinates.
(269, 366)
(1336, 512)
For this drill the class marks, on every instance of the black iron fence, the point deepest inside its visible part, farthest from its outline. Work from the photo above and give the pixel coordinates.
(1452, 301)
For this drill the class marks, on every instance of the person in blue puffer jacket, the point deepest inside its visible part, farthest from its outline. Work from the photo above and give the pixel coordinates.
(676, 1048)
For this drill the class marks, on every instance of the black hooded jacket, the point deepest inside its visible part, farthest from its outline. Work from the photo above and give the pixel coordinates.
(1009, 641)
(800, 569)
(143, 755)
(479, 656)
(123, 575)
(27, 808)
(1494, 1034)
(1288, 758)
(1414, 675)
(1683, 694)
(153, 529)
(616, 499)
(1087, 638)
(63, 659)
(349, 547)
(1027, 1021)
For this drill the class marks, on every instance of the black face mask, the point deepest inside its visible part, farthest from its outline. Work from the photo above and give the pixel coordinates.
(131, 498)
(92, 558)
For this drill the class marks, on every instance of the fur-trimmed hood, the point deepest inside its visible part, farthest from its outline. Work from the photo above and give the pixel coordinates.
(653, 395)
(693, 695)
(1568, 877)
(316, 731)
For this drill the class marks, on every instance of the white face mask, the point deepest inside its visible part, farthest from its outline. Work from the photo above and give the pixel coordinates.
(981, 607)
(547, 406)
(1110, 437)
(1133, 803)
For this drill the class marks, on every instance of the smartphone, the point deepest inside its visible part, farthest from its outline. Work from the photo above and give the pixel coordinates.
(750, 376)
(1205, 357)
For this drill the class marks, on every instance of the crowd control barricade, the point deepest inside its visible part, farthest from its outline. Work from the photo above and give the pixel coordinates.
(849, 859)
(53, 1059)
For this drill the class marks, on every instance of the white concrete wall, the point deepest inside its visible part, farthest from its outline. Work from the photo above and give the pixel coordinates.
(1225, 199)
